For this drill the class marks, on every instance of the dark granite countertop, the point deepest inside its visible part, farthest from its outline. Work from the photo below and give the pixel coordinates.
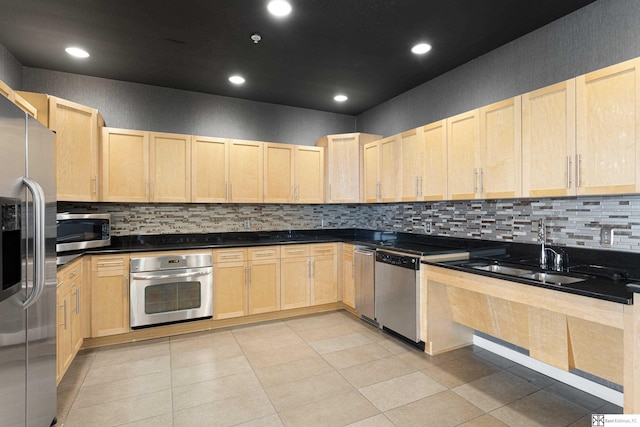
(615, 275)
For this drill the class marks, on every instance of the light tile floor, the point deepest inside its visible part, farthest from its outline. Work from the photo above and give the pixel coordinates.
(329, 369)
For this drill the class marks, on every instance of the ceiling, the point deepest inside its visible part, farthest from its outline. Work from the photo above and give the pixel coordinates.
(360, 48)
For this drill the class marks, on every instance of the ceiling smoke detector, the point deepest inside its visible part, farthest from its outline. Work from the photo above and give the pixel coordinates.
(256, 38)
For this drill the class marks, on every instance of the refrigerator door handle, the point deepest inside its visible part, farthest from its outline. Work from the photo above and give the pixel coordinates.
(39, 240)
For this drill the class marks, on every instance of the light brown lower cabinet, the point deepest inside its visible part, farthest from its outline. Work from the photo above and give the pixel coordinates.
(348, 276)
(246, 281)
(309, 275)
(69, 314)
(109, 295)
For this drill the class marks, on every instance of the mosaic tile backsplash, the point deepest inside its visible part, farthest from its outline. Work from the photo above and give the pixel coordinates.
(570, 222)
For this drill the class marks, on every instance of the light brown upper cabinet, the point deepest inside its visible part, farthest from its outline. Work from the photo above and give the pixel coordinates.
(549, 141)
(424, 163)
(170, 167)
(485, 152)
(501, 149)
(412, 165)
(463, 155)
(76, 128)
(382, 170)
(209, 170)
(607, 120)
(434, 184)
(139, 166)
(124, 165)
(343, 166)
(293, 173)
(246, 171)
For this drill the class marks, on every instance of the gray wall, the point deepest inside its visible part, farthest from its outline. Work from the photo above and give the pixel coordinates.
(601, 34)
(137, 106)
(10, 69)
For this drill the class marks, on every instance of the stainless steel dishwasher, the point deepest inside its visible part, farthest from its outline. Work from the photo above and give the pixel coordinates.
(397, 278)
(364, 264)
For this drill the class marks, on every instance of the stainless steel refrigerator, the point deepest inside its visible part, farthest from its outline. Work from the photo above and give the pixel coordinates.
(28, 270)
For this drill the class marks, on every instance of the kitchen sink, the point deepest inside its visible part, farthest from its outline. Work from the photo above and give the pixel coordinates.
(501, 269)
(557, 279)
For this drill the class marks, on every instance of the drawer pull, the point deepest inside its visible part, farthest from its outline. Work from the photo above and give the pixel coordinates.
(264, 253)
(230, 256)
(295, 251)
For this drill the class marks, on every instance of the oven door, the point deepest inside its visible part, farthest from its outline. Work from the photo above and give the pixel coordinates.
(169, 296)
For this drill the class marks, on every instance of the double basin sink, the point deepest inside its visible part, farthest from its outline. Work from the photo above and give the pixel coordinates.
(545, 277)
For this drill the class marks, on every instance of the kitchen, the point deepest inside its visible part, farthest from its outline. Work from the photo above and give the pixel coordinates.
(571, 220)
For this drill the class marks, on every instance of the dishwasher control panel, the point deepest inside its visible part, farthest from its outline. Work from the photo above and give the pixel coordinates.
(399, 260)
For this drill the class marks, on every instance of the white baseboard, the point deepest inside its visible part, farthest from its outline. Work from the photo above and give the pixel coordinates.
(588, 386)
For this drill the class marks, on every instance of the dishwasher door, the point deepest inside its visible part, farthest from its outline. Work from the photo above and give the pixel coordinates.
(398, 294)
(364, 264)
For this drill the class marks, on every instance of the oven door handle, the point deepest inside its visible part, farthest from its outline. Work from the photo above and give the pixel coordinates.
(171, 276)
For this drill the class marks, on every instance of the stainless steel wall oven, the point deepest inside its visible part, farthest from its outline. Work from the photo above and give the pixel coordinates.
(171, 288)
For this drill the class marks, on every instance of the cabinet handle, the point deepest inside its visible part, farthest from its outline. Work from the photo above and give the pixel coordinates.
(475, 180)
(417, 186)
(309, 269)
(230, 256)
(226, 190)
(313, 268)
(78, 301)
(578, 167)
(568, 171)
(95, 185)
(249, 269)
(264, 253)
(421, 180)
(481, 181)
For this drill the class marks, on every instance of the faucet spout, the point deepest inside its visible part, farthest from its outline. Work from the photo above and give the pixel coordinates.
(542, 237)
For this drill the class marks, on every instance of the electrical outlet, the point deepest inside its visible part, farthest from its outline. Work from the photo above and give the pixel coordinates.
(323, 223)
(606, 236)
(247, 224)
(427, 227)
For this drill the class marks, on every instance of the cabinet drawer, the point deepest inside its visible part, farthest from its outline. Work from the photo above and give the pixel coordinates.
(229, 255)
(324, 249)
(265, 252)
(110, 263)
(290, 251)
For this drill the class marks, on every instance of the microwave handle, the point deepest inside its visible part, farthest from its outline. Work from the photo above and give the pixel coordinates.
(37, 195)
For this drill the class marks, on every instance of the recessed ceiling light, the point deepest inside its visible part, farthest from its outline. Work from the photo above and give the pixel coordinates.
(236, 80)
(340, 98)
(421, 48)
(279, 8)
(77, 52)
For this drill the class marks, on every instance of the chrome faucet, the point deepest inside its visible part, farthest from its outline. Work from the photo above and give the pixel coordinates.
(542, 238)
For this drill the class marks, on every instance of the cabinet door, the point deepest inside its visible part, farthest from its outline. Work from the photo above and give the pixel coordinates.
(607, 109)
(246, 172)
(412, 165)
(278, 173)
(64, 354)
(209, 170)
(170, 166)
(76, 128)
(229, 290)
(295, 282)
(309, 175)
(463, 155)
(549, 141)
(434, 140)
(125, 165)
(371, 168)
(324, 279)
(389, 169)
(109, 295)
(264, 286)
(343, 168)
(500, 173)
(76, 313)
(348, 277)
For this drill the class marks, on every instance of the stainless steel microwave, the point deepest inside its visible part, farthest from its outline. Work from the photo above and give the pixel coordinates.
(82, 231)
